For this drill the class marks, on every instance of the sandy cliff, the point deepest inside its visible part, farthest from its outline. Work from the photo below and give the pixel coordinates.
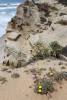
(32, 22)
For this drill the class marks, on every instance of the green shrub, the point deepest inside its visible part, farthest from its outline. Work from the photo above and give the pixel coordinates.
(15, 75)
(3, 79)
(55, 48)
(4, 69)
(40, 51)
(57, 76)
(60, 63)
(46, 52)
(47, 86)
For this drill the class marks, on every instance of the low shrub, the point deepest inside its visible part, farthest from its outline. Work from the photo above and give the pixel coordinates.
(3, 79)
(44, 86)
(15, 75)
(57, 76)
(55, 48)
(4, 69)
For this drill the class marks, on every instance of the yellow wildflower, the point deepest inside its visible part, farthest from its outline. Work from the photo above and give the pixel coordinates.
(40, 87)
(51, 73)
(40, 90)
(39, 67)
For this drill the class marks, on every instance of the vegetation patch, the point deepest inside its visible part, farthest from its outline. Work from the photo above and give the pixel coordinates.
(8, 71)
(60, 63)
(15, 75)
(36, 71)
(41, 51)
(2, 79)
(4, 69)
(57, 76)
(44, 86)
(63, 68)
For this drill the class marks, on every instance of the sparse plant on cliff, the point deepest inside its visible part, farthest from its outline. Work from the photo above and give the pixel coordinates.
(40, 51)
(46, 52)
(55, 47)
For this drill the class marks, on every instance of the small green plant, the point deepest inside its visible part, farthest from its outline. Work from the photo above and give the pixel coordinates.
(15, 75)
(46, 52)
(40, 51)
(8, 71)
(4, 69)
(55, 47)
(62, 67)
(3, 79)
(60, 63)
(57, 76)
(60, 76)
(36, 71)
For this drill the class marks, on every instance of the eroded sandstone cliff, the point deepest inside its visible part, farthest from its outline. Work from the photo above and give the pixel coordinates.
(30, 24)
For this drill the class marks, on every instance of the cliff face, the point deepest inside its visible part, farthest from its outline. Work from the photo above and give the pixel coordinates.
(30, 21)
(27, 21)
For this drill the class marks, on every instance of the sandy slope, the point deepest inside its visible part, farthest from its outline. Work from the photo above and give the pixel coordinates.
(18, 89)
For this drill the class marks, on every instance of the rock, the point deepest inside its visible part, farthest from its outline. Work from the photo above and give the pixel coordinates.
(33, 39)
(62, 20)
(43, 19)
(64, 2)
(13, 35)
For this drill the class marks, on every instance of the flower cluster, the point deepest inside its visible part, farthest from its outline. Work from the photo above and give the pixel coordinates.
(40, 88)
